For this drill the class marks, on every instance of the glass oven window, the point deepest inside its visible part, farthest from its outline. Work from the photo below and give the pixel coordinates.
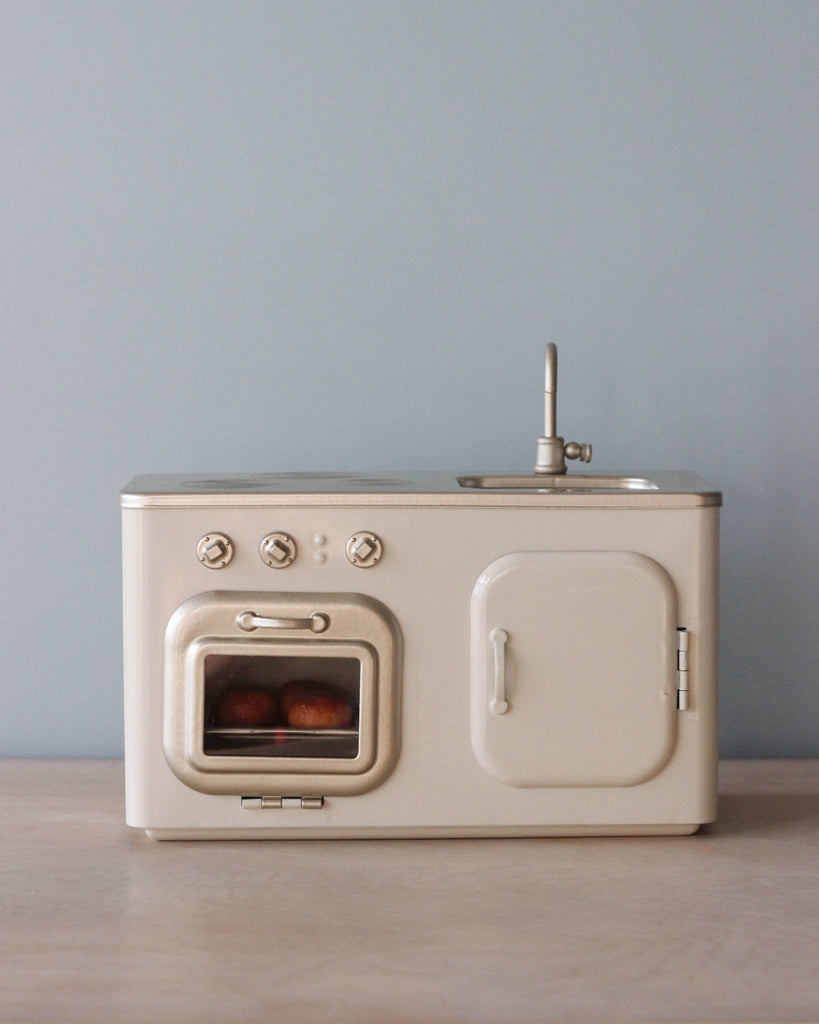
(282, 706)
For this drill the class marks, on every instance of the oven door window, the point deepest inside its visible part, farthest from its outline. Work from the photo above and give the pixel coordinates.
(280, 706)
(283, 706)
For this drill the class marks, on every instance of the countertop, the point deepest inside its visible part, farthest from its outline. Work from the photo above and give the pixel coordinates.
(99, 923)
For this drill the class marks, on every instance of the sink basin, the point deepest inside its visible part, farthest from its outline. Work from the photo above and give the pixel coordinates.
(548, 482)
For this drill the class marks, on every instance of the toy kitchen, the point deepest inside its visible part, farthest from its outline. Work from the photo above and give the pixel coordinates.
(316, 655)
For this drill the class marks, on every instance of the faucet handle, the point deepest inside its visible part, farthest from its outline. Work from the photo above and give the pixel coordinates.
(552, 454)
(573, 450)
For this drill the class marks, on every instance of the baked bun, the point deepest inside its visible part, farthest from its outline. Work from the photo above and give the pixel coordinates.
(246, 707)
(310, 705)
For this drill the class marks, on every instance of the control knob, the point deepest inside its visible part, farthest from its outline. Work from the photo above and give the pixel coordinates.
(364, 549)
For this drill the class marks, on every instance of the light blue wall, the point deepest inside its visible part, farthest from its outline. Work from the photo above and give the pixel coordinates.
(241, 236)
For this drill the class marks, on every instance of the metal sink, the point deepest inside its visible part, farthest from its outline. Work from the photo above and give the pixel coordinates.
(556, 482)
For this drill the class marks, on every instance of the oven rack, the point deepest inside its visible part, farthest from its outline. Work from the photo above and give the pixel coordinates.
(281, 741)
(275, 732)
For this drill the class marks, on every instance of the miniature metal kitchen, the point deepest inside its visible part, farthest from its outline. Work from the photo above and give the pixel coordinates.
(315, 655)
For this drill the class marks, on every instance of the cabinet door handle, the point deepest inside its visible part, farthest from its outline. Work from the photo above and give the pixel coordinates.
(498, 705)
(316, 623)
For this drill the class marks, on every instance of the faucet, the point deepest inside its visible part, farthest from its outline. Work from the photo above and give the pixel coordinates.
(552, 452)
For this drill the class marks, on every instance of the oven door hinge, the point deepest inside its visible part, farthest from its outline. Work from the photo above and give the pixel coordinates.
(683, 639)
(307, 803)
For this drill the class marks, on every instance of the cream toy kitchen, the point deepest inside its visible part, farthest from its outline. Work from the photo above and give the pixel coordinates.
(424, 654)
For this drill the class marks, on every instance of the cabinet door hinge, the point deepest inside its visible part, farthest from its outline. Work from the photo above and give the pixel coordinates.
(683, 639)
(307, 803)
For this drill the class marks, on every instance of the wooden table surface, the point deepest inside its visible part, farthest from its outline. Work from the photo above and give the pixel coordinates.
(99, 923)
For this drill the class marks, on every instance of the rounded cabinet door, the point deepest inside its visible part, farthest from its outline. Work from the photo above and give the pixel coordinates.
(573, 668)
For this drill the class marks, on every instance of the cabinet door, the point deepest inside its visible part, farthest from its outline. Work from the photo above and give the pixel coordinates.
(574, 668)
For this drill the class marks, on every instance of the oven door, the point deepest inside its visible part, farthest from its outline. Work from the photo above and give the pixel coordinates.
(282, 694)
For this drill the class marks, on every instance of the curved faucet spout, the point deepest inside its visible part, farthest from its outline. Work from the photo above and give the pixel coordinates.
(552, 452)
(550, 392)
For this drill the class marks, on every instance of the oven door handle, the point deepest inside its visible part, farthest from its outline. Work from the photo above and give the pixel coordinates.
(498, 703)
(316, 623)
